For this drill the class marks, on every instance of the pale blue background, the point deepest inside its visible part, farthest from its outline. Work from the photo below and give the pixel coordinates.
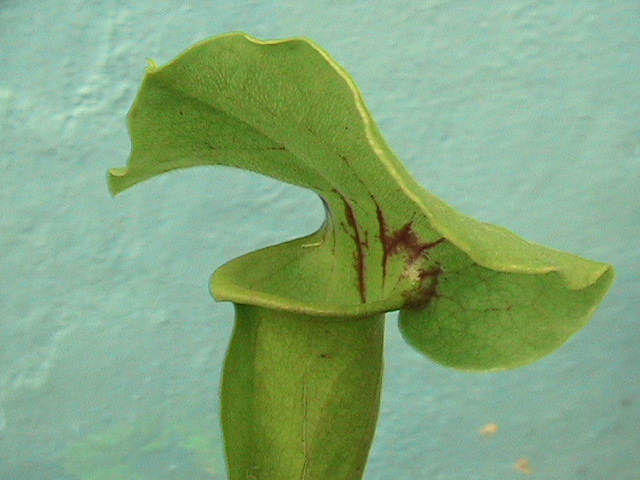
(524, 113)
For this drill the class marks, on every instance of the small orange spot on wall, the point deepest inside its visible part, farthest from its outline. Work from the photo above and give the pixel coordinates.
(524, 466)
(490, 430)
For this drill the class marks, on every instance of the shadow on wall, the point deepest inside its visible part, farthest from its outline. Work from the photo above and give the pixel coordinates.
(147, 450)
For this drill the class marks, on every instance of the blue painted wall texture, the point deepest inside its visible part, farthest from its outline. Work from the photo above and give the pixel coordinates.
(523, 113)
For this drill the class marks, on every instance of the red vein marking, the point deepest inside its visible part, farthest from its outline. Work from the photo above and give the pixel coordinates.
(362, 244)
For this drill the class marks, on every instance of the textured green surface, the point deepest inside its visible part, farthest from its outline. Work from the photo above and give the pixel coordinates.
(471, 295)
(300, 395)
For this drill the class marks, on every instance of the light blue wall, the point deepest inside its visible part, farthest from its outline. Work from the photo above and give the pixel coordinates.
(524, 113)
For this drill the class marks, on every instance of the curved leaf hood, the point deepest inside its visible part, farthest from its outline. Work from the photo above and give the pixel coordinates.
(471, 295)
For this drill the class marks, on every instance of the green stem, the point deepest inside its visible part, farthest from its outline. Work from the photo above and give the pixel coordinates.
(300, 395)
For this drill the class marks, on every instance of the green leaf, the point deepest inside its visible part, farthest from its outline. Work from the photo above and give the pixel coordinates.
(471, 295)
(300, 395)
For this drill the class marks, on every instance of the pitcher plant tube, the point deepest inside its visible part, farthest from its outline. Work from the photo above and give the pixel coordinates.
(302, 376)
